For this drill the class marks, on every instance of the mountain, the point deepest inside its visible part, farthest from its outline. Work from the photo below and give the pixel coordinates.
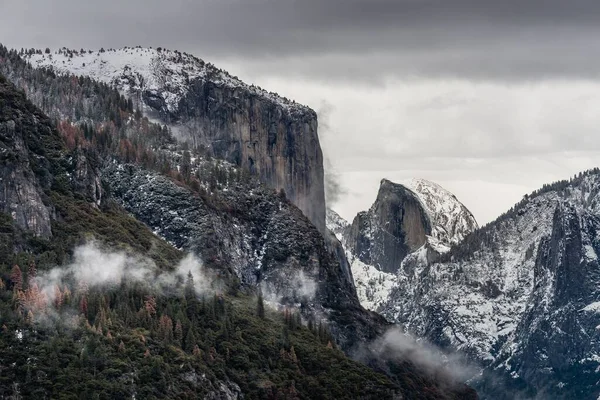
(405, 226)
(271, 136)
(115, 178)
(518, 296)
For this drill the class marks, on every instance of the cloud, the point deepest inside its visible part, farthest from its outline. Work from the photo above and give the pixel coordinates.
(334, 190)
(360, 39)
(473, 91)
(396, 345)
(292, 289)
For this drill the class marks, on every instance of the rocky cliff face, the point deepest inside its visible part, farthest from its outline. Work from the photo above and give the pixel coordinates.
(271, 136)
(20, 192)
(336, 224)
(396, 225)
(31, 163)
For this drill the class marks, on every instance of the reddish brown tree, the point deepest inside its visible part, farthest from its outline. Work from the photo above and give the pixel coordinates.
(16, 276)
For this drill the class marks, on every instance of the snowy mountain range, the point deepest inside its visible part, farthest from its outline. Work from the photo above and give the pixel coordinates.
(519, 296)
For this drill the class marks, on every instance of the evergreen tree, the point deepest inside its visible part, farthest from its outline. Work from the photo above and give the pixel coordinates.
(260, 305)
(16, 276)
(190, 341)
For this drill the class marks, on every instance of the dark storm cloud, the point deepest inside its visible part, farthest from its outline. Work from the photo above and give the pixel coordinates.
(360, 38)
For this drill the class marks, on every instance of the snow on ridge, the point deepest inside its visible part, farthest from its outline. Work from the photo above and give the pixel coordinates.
(451, 220)
(167, 72)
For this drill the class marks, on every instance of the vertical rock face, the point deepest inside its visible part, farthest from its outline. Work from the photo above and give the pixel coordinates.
(87, 178)
(271, 136)
(20, 191)
(279, 144)
(396, 225)
(33, 161)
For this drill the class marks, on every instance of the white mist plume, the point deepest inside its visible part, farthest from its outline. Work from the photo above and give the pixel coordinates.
(94, 266)
(299, 287)
(334, 190)
(398, 345)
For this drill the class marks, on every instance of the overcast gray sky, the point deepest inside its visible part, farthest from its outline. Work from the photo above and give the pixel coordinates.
(489, 99)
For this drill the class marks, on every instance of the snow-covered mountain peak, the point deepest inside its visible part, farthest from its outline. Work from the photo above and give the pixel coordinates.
(168, 73)
(451, 221)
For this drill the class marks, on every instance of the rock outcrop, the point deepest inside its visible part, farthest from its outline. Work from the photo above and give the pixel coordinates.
(451, 221)
(407, 228)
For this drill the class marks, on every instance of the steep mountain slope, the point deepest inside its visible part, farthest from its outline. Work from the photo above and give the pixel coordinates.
(273, 137)
(261, 239)
(226, 219)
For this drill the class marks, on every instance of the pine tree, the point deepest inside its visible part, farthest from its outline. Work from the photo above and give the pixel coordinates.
(150, 305)
(186, 166)
(16, 276)
(165, 328)
(190, 341)
(58, 297)
(31, 272)
(293, 356)
(197, 352)
(260, 305)
(178, 334)
(83, 306)
(190, 297)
